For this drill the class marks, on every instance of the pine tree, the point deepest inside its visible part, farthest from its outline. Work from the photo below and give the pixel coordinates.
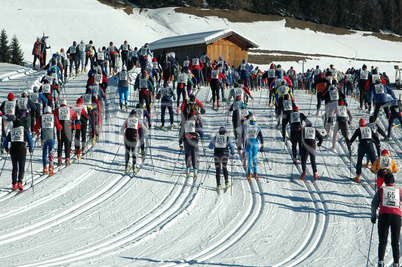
(17, 56)
(4, 48)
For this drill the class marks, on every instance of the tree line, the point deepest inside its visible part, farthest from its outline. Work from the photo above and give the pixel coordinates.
(10, 53)
(367, 15)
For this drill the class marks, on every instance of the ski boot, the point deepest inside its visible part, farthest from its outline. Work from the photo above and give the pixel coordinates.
(256, 176)
(142, 153)
(187, 172)
(20, 186)
(51, 172)
(227, 185)
(316, 176)
(78, 153)
(218, 189)
(15, 187)
(172, 125)
(357, 178)
(249, 177)
(126, 105)
(303, 175)
(45, 171)
(380, 263)
(213, 105)
(219, 105)
(367, 165)
(59, 161)
(162, 127)
(195, 174)
(67, 162)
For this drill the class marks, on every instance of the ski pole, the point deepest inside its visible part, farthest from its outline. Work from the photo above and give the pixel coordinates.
(325, 164)
(176, 162)
(33, 188)
(5, 159)
(206, 174)
(150, 153)
(265, 168)
(231, 176)
(371, 237)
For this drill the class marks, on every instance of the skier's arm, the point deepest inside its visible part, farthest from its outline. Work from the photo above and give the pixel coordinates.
(375, 166)
(375, 203)
(231, 146)
(381, 131)
(319, 137)
(354, 136)
(211, 144)
(29, 139)
(5, 143)
(36, 126)
(57, 124)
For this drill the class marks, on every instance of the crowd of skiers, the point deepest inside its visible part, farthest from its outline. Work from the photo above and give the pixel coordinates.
(45, 113)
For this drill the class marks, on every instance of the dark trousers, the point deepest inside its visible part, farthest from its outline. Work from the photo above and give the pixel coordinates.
(295, 139)
(363, 93)
(147, 99)
(65, 140)
(377, 110)
(221, 162)
(394, 115)
(168, 105)
(191, 153)
(385, 221)
(215, 90)
(81, 136)
(131, 149)
(305, 152)
(363, 150)
(76, 65)
(18, 162)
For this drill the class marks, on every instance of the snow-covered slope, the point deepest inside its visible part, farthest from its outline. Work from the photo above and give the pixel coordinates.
(91, 214)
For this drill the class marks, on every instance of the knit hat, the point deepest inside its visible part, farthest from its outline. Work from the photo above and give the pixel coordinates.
(80, 101)
(362, 123)
(222, 130)
(10, 96)
(384, 152)
(296, 109)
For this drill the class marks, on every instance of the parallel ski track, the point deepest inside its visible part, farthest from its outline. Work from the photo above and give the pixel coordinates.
(165, 213)
(319, 228)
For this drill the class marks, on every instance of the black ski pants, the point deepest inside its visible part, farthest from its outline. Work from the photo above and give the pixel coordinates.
(385, 221)
(221, 162)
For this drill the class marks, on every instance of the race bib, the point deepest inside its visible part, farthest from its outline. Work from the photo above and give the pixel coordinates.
(123, 75)
(143, 83)
(364, 74)
(17, 134)
(98, 78)
(125, 47)
(143, 52)
(365, 132)
(341, 111)
(87, 99)
(334, 95)
(186, 63)
(271, 73)
(46, 88)
(379, 89)
(164, 92)
(182, 78)
(287, 105)
(309, 133)
(73, 49)
(47, 121)
(190, 126)
(282, 90)
(295, 117)
(64, 113)
(9, 108)
(252, 132)
(385, 162)
(34, 97)
(214, 74)
(195, 61)
(23, 103)
(238, 92)
(375, 77)
(243, 67)
(244, 113)
(100, 56)
(132, 123)
(390, 197)
(220, 141)
(78, 111)
(88, 47)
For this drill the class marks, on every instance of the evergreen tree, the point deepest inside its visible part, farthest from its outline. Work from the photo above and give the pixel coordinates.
(17, 56)
(4, 48)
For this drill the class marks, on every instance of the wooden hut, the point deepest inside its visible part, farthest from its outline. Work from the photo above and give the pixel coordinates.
(230, 45)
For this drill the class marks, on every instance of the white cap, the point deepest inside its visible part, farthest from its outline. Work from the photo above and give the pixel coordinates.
(63, 102)
(124, 67)
(48, 109)
(35, 89)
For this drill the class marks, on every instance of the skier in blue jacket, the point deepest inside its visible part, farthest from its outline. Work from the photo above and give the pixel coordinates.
(251, 134)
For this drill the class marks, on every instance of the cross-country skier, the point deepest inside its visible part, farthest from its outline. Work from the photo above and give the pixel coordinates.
(190, 133)
(90, 54)
(47, 123)
(388, 199)
(308, 148)
(196, 66)
(366, 138)
(80, 126)
(382, 163)
(123, 81)
(166, 94)
(143, 53)
(27, 109)
(251, 134)
(379, 92)
(113, 53)
(130, 130)
(214, 80)
(221, 144)
(39, 100)
(343, 119)
(296, 119)
(73, 56)
(66, 117)
(18, 136)
(331, 97)
(239, 90)
(10, 112)
(395, 109)
(125, 48)
(182, 80)
(145, 84)
(321, 86)
(244, 69)
(144, 125)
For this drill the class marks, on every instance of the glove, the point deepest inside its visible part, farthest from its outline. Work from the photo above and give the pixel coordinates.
(262, 149)
(174, 98)
(252, 97)
(239, 148)
(378, 145)
(373, 219)
(181, 146)
(319, 144)
(232, 154)
(30, 150)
